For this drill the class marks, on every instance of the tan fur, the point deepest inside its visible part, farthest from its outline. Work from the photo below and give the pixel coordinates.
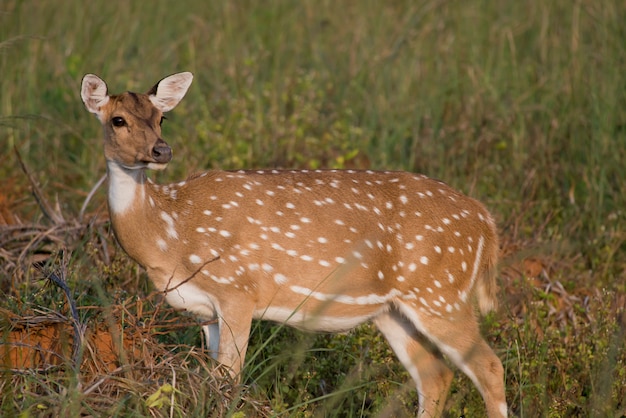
(319, 250)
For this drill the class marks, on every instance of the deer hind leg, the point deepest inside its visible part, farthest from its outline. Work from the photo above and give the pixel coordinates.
(460, 341)
(421, 359)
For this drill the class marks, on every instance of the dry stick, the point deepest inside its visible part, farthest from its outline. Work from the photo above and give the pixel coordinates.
(172, 397)
(102, 380)
(89, 196)
(59, 281)
(191, 276)
(50, 213)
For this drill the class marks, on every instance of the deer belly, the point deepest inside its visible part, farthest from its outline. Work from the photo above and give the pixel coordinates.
(316, 321)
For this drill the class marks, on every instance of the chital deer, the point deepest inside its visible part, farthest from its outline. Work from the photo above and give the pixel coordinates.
(319, 250)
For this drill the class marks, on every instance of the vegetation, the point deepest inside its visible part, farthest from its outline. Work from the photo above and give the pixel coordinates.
(520, 104)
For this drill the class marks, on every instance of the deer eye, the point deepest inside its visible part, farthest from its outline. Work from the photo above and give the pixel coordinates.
(118, 121)
(162, 119)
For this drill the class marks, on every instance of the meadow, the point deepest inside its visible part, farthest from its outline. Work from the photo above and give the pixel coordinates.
(521, 105)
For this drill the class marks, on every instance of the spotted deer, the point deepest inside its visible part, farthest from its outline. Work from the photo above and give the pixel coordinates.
(321, 250)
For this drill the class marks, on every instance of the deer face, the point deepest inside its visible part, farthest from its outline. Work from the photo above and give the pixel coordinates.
(132, 132)
(132, 121)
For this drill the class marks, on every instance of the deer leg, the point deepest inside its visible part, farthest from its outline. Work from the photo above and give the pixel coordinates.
(421, 359)
(480, 364)
(460, 341)
(212, 337)
(234, 333)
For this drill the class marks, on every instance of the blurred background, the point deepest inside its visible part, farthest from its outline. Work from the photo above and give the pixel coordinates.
(519, 104)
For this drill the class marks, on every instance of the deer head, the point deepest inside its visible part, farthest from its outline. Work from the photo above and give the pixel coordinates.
(132, 122)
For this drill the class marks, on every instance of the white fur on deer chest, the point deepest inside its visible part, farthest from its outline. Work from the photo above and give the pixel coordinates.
(190, 297)
(123, 184)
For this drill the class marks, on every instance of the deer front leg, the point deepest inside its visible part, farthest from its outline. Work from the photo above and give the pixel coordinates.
(234, 333)
(212, 337)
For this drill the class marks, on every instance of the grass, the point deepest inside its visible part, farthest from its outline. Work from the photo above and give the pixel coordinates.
(520, 104)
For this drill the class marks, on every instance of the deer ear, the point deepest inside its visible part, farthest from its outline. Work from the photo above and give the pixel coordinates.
(94, 93)
(166, 94)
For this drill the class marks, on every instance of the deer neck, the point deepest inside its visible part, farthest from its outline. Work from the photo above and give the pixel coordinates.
(126, 188)
(131, 214)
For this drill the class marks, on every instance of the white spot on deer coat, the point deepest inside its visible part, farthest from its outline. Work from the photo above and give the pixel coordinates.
(280, 278)
(161, 244)
(169, 229)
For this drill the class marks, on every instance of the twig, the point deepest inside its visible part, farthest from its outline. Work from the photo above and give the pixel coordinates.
(89, 196)
(50, 213)
(172, 398)
(102, 380)
(171, 289)
(59, 281)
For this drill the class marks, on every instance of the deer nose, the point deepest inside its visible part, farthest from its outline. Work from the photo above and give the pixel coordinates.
(161, 152)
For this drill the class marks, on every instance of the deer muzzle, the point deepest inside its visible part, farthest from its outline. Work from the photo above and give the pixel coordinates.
(161, 152)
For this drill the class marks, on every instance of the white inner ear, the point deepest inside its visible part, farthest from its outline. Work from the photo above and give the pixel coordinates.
(171, 90)
(94, 93)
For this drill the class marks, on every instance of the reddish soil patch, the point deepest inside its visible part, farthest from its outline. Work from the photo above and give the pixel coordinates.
(44, 342)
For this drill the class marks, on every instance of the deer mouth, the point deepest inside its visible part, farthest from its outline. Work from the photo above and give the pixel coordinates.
(156, 166)
(147, 163)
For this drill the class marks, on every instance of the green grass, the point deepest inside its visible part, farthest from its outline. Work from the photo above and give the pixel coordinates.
(520, 104)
